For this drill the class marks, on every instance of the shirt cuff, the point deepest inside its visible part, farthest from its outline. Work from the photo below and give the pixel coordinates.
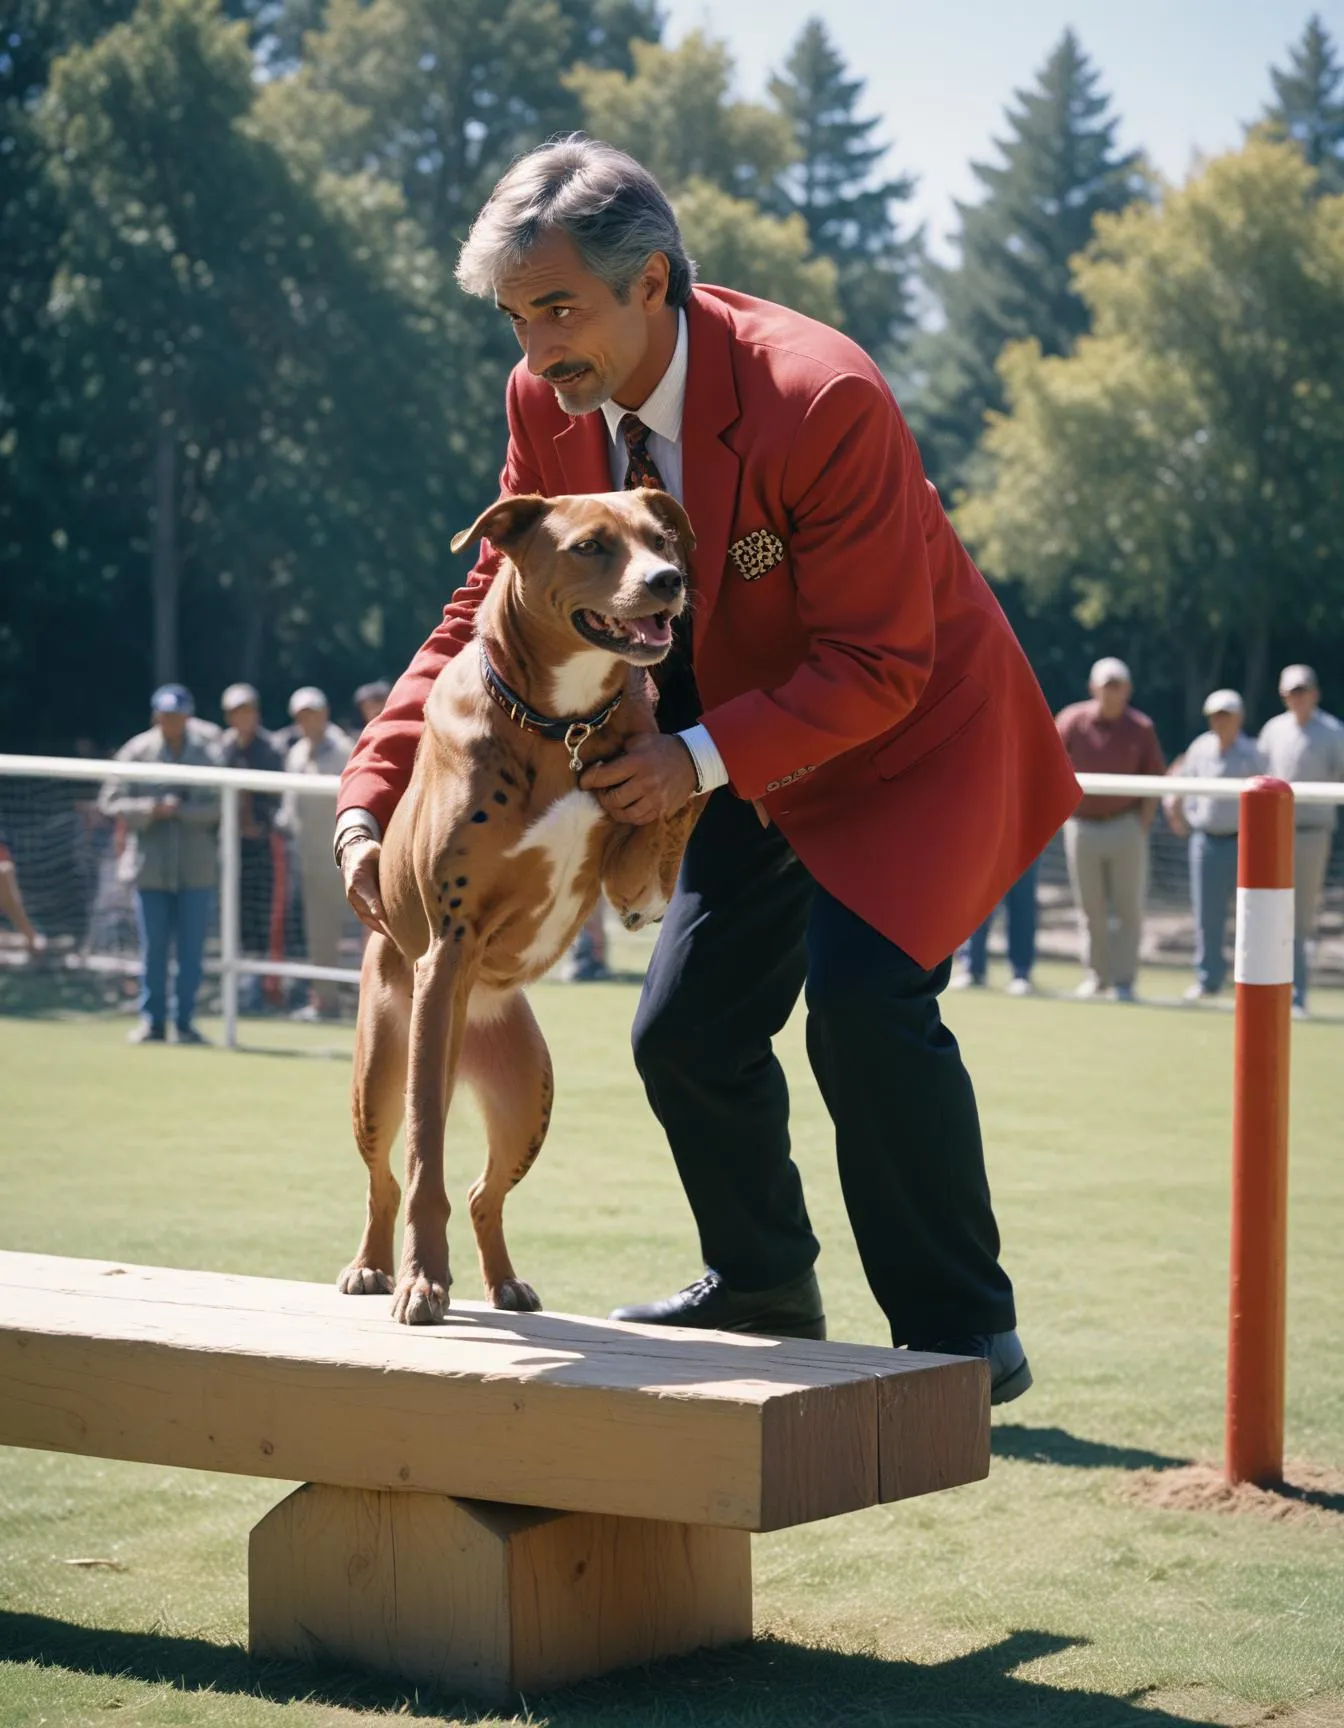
(705, 754)
(356, 818)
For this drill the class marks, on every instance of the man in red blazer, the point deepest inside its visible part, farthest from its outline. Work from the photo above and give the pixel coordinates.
(881, 761)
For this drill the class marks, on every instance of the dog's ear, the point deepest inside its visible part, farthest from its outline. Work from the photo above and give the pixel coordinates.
(668, 511)
(505, 523)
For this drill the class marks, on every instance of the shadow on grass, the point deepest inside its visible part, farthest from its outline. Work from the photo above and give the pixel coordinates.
(1324, 1498)
(1058, 1446)
(757, 1685)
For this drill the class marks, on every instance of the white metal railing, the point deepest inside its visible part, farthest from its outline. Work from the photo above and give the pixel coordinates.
(1165, 785)
(229, 782)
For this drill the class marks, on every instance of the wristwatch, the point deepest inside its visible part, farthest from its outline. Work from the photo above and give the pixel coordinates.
(346, 836)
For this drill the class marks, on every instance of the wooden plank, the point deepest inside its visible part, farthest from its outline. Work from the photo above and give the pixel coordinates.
(273, 1378)
(486, 1599)
(933, 1431)
(320, 1324)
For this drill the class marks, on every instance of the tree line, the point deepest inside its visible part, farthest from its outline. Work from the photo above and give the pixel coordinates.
(243, 407)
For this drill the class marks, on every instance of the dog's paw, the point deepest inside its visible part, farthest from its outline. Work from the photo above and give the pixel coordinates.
(418, 1300)
(516, 1297)
(359, 1280)
(640, 917)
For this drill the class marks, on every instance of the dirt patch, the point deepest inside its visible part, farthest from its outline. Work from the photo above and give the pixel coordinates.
(1196, 1703)
(1310, 1493)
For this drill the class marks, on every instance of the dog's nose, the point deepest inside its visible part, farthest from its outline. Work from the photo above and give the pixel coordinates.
(665, 583)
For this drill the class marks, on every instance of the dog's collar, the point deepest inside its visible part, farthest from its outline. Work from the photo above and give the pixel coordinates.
(570, 733)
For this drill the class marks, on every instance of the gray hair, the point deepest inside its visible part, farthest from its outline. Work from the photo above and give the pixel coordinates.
(613, 210)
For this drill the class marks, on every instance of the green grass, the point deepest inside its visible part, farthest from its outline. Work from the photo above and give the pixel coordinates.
(1039, 1597)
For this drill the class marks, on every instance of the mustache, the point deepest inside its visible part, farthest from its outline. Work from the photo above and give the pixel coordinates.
(560, 374)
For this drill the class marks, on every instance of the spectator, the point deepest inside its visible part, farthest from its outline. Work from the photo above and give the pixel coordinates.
(321, 749)
(1106, 842)
(172, 858)
(11, 904)
(1221, 753)
(1019, 910)
(371, 699)
(1305, 743)
(246, 745)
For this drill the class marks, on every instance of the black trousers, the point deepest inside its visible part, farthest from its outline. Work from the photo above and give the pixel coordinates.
(747, 929)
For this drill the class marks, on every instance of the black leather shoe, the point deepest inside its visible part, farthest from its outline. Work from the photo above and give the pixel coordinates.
(1009, 1370)
(790, 1310)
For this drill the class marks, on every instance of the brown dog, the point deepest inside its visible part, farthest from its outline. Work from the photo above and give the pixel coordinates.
(493, 860)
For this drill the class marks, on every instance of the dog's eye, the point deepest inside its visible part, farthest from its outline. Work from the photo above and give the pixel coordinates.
(588, 548)
(660, 543)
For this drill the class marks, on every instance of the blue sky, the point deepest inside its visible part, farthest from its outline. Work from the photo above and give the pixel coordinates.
(1183, 74)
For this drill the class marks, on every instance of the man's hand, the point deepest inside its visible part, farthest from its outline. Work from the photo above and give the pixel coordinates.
(654, 778)
(359, 872)
(165, 806)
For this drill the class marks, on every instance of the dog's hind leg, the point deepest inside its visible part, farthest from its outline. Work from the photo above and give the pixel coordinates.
(507, 1064)
(436, 1027)
(377, 1102)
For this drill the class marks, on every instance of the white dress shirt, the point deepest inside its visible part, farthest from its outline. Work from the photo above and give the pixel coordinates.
(662, 413)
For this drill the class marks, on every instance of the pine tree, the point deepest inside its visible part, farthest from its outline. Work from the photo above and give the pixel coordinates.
(1308, 105)
(1059, 169)
(850, 214)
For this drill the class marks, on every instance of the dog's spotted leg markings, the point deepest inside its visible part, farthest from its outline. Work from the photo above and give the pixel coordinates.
(437, 1026)
(378, 1102)
(507, 1065)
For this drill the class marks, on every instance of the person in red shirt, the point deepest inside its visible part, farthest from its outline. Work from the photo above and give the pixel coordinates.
(1106, 839)
(879, 760)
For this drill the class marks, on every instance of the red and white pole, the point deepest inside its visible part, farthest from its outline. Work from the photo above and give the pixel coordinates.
(1264, 980)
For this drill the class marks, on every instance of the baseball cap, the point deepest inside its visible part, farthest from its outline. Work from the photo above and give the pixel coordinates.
(1109, 670)
(307, 696)
(172, 699)
(372, 692)
(1296, 677)
(1224, 702)
(239, 696)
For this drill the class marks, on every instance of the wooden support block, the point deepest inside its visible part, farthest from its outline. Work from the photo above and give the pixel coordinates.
(483, 1598)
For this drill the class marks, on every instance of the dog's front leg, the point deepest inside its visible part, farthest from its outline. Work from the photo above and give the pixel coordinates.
(640, 869)
(437, 1022)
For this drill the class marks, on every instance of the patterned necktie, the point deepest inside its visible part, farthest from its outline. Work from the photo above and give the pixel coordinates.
(642, 470)
(678, 699)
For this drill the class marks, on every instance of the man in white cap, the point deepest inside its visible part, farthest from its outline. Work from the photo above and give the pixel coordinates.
(1106, 842)
(1221, 753)
(321, 748)
(1305, 743)
(172, 859)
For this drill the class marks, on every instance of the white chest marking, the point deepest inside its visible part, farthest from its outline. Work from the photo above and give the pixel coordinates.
(563, 834)
(486, 1006)
(577, 685)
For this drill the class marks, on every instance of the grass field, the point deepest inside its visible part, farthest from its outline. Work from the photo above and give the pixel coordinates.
(1044, 1596)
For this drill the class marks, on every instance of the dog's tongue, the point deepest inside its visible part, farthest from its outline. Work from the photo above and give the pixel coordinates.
(650, 632)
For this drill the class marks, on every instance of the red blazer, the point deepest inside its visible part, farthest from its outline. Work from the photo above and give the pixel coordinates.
(867, 689)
